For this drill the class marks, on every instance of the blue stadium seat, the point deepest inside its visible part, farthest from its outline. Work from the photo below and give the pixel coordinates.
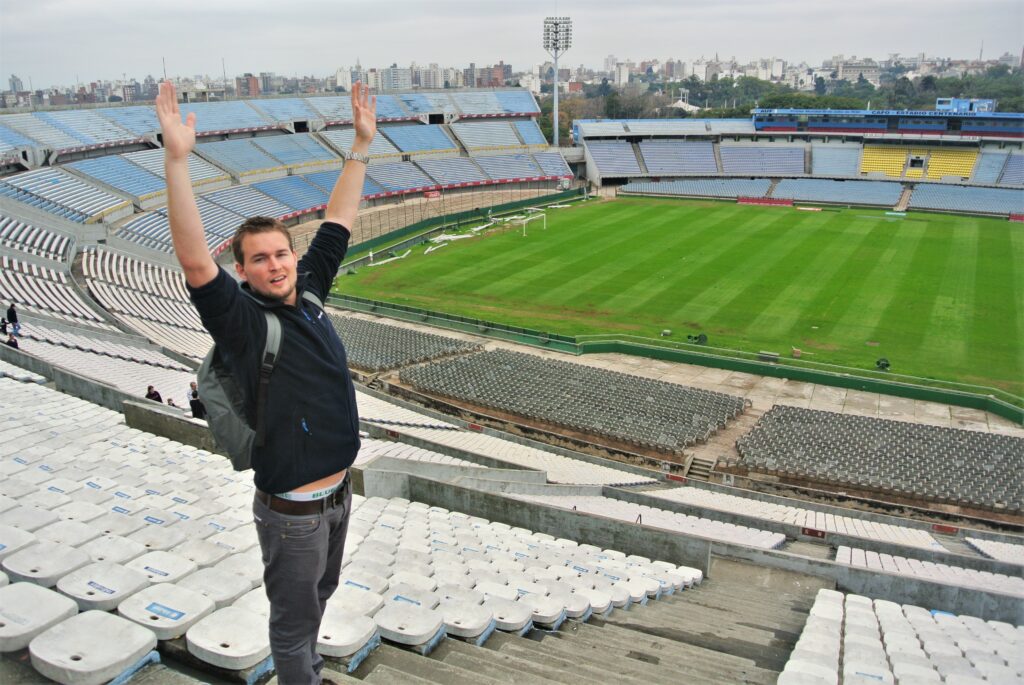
(388, 107)
(64, 194)
(835, 160)
(397, 176)
(285, 109)
(121, 174)
(139, 120)
(881, 193)
(297, 149)
(342, 140)
(419, 138)
(530, 132)
(484, 135)
(989, 166)
(1013, 172)
(718, 187)
(666, 157)
(552, 164)
(224, 116)
(614, 157)
(453, 170)
(87, 126)
(503, 167)
(294, 191)
(238, 156)
(247, 201)
(954, 198)
(517, 102)
(762, 159)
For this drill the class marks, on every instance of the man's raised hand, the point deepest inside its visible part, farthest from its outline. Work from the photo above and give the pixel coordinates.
(364, 113)
(179, 138)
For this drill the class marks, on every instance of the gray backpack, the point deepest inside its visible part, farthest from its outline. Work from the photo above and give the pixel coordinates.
(225, 408)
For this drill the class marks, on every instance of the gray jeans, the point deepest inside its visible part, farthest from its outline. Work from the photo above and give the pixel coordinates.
(301, 565)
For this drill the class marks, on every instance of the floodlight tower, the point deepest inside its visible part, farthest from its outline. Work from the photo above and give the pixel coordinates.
(557, 39)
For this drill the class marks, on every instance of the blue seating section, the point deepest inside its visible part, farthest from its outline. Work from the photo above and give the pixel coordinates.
(650, 127)
(835, 160)
(11, 140)
(762, 159)
(285, 110)
(121, 174)
(614, 158)
(247, 201)
(58, 192)
(86, 126)
(18, 235)
(342, 141)
(963, 199)
(419, 138)
(224, 116)
(295, 150)
(396, 176)
(666, 157)
(989, 166)
(152, 230)
(293, 191)
(881, 193)
(388, 107)
(139, 119)
(1013, 172)
(757, 187)
(486, 134)
(324, 180)
(199, 170)
(552, 164)
(333, 108)
(502, 167)
(530, 132)
(40, 131)
(239, 156)
(416, 103)
(728, 126)
(453, 170)
(516, 102)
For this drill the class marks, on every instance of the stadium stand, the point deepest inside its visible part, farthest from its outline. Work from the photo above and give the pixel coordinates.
(796, 515)
(152, 230)
(332, 109)
(730, 126)
(447, 437)
(284, 110)
(11, 141)
(296, 151)
(600, 128)
(370, 449)
(660, 518)
(240, 157)
(646, 127)
(390, 107)
(481, 103)
(399, 176)
(412, 572)
(614, 157)
(86, 126)
(341, 140)
(139, 119)
(943, 573)
(701, 188)
(770, 160)
(247, 201)
(1002, 551)
(44, 291)
(500, 167)
(233, 115)
(325, 180)
(416, 103)
(887, 160)
(33, 240)
(510, 102)
(945, 465)
(118, 346)
(376, 346)
(42, 132)
(635, 410)
(857, 639)
(487, 135)
(967, 200)
(295, 192)
(530, 133)
(122, 175)
(1013, 172)
(670, 157)
(881, 193)
(58, 192)
(150, 299)
(419, 138)
(449, 171)
(951, 163)
(552, 164)
(835, 160)
(201, 172)
(989, 166)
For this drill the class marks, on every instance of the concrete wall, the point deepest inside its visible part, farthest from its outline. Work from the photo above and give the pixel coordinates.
(834, 539)
(168, 422)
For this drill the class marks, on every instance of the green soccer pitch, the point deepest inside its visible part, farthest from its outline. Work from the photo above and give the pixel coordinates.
(940, 296)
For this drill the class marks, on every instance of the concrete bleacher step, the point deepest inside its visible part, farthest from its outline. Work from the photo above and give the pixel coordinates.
(428, 670)
(386, 675)
(495, 661)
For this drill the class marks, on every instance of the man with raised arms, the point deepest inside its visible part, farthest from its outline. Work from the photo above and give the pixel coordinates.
(311, 437)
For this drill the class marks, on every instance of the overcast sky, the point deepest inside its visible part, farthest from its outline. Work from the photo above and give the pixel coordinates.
(53, 41)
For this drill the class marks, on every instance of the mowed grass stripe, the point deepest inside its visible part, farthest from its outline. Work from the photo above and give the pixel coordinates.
(751, 277)
(817, 275)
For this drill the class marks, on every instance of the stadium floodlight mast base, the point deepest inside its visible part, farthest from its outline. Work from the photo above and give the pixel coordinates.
(557, 39)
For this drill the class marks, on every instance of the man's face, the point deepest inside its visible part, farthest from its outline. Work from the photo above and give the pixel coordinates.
(269, 265)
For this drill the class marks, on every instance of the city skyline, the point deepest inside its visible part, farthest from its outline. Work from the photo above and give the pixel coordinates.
(114, 39)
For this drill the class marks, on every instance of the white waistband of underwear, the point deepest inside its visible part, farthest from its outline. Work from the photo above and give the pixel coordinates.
(312, 495)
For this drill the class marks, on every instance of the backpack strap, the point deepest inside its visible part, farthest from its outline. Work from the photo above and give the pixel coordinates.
(312, 299)
(267, 362)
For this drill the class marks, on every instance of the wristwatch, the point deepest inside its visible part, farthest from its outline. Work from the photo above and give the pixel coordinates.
(355, 157)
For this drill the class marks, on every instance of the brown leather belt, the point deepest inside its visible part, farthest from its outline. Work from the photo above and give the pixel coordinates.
(317, 506)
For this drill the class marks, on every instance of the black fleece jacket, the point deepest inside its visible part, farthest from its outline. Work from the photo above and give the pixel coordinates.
(312, 425)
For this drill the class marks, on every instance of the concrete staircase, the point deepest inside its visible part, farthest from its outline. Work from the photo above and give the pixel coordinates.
(904, 201)
(640, 158)
(738, 626)
(701, 468)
